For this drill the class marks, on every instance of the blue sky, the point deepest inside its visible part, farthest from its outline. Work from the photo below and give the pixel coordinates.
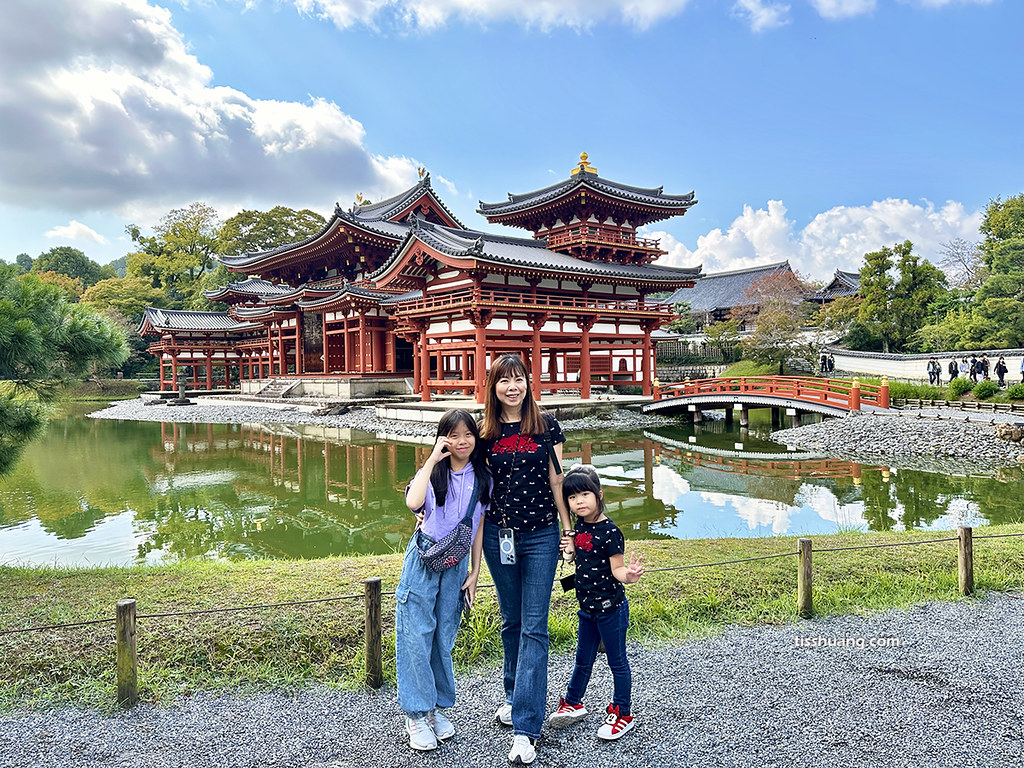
(813, 130)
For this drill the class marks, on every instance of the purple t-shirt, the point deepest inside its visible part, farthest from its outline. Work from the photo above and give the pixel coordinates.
(438, 522)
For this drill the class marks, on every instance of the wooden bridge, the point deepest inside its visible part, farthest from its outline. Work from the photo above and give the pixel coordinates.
(795, 394)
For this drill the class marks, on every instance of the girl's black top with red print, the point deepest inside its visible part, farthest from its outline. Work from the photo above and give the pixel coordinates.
(522, 497)
(596, 588)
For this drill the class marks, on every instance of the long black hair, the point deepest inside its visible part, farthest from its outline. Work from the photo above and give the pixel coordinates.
(579, 479)
(439, 474)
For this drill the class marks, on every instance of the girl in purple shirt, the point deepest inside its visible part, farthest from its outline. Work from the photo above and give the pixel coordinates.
(428, 603)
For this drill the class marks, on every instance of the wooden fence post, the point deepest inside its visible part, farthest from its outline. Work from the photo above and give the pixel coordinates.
(804, 579)
(127, 656)
(965, 560)
(374, 667)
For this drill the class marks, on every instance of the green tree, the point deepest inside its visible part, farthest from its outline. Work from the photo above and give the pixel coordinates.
(182, 249)
(776, 301)
(1003, 220)
(129, 296)
(71, 286)
(685, 322)
(251, 231)
(725, 336)
(71, 262)
(24, 261)
(876, 291)
(44, 341)
(920, 286)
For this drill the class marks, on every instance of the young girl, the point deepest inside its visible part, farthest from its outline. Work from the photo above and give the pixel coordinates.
(429, 604)
(604, 610)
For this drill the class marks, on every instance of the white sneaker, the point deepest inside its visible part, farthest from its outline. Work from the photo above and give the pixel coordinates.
(503, 715)
(443, 728)
(522, 752)
(421, 735)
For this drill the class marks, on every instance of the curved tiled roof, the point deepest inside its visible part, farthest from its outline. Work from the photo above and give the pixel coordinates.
(385, 209)
(842, 284)
(254, 286)
(654, 196)
(527, 252)
(721, 290)
(184, 320)
(348, 290)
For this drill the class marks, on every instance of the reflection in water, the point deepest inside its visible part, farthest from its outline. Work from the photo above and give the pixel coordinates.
(100, 492)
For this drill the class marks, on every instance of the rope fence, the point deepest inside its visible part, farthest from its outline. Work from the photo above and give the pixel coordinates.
(126, 615)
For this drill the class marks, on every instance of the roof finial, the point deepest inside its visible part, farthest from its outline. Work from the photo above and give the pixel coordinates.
(583, 166)
(421, 171)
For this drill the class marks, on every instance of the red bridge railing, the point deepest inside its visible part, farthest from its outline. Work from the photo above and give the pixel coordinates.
(842, 393)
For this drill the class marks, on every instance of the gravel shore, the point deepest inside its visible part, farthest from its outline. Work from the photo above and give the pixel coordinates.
(934, 434)
(362, 418)
(951, 694)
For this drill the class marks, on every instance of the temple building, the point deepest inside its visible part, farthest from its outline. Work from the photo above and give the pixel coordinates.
(400, 295)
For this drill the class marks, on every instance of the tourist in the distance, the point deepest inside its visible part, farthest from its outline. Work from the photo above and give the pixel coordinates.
(953, 369)
(934, 371)
(1000, 371)
(831, 364)
(521, 541)
(823, 364)
(965, 368)
(974, 369)
(1022, 370)
(983, 367)
(449, 494)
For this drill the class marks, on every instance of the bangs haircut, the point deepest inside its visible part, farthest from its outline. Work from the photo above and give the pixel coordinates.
(582, 478)
(531, 418)
(439, 474)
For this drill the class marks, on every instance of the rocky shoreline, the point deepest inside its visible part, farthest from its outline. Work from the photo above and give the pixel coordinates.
(934, 441)
(362, 418)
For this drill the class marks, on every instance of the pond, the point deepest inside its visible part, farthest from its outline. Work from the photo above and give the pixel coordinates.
(92, 492)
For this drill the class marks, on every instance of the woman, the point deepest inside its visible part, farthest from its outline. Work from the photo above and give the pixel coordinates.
(521, 541)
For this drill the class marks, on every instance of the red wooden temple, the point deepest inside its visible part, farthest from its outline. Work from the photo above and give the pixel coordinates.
(401, 290)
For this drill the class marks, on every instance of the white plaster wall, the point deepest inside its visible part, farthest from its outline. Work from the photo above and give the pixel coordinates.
(913, 366)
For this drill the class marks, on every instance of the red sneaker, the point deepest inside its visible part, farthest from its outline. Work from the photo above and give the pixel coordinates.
(567, 714)
(615, 725)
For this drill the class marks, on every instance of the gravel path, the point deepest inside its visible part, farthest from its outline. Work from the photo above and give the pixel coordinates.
(362, 418)
(952, 694)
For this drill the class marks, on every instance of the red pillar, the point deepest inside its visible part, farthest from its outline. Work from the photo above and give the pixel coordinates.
(585, 361)
(298, 344)
(416, 376)
(535, 362)
(209, 370)
(163, 364)
(282, 362)
(174, 371)
(479, 358)
(361, 357)
(645, 364)
(425, 367)
(270, 351)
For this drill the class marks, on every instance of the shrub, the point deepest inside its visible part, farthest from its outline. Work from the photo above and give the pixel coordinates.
(983, 390)
(1016, 392)
(961, 386)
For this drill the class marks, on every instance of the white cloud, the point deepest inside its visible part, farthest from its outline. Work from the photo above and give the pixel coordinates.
(756, 513)
(824, 502)
(447, 184)
(103, 104)
(944, 3)
(431, 14)
(761, 16)
(837, 238)
(843, 9)
(76, 230)
(668, 486)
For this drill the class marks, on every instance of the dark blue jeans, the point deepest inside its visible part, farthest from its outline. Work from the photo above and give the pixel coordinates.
(609, 628)
(524, 597)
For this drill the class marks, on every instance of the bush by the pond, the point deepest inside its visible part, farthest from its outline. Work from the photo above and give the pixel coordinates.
(1016, 392)
(958, 387)
(983, 390)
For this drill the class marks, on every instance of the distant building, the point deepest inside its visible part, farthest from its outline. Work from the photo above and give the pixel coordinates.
(842, 284)
(716, 296)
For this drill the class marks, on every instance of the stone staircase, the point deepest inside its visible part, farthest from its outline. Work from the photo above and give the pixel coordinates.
(275, 389)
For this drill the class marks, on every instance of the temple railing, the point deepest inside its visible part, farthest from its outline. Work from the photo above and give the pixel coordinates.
(842, 393)
(595, 233)
(542, 303)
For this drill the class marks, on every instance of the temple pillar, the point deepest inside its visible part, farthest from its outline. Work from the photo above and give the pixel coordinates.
(298, 344)
(174, 371)
(163, 366)
(585, 359)
(209, 370)
(425, 367)
(535, 365)
(282, 362)
(645, 364)
(270, 351)
(416, 376)
(361, 357)
(479, 355)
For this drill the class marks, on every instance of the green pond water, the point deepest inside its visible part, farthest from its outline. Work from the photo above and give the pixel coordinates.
(96, 492)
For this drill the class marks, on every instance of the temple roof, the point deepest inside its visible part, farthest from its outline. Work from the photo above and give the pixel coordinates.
(722, 290)
(655, 197)
(842, 284)
(376, 219)
(490, 248)
(253, 288)
(159, 320)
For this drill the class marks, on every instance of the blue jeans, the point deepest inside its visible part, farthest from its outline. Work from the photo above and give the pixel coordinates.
(428, 607)
(524, 597)
(609, 628)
